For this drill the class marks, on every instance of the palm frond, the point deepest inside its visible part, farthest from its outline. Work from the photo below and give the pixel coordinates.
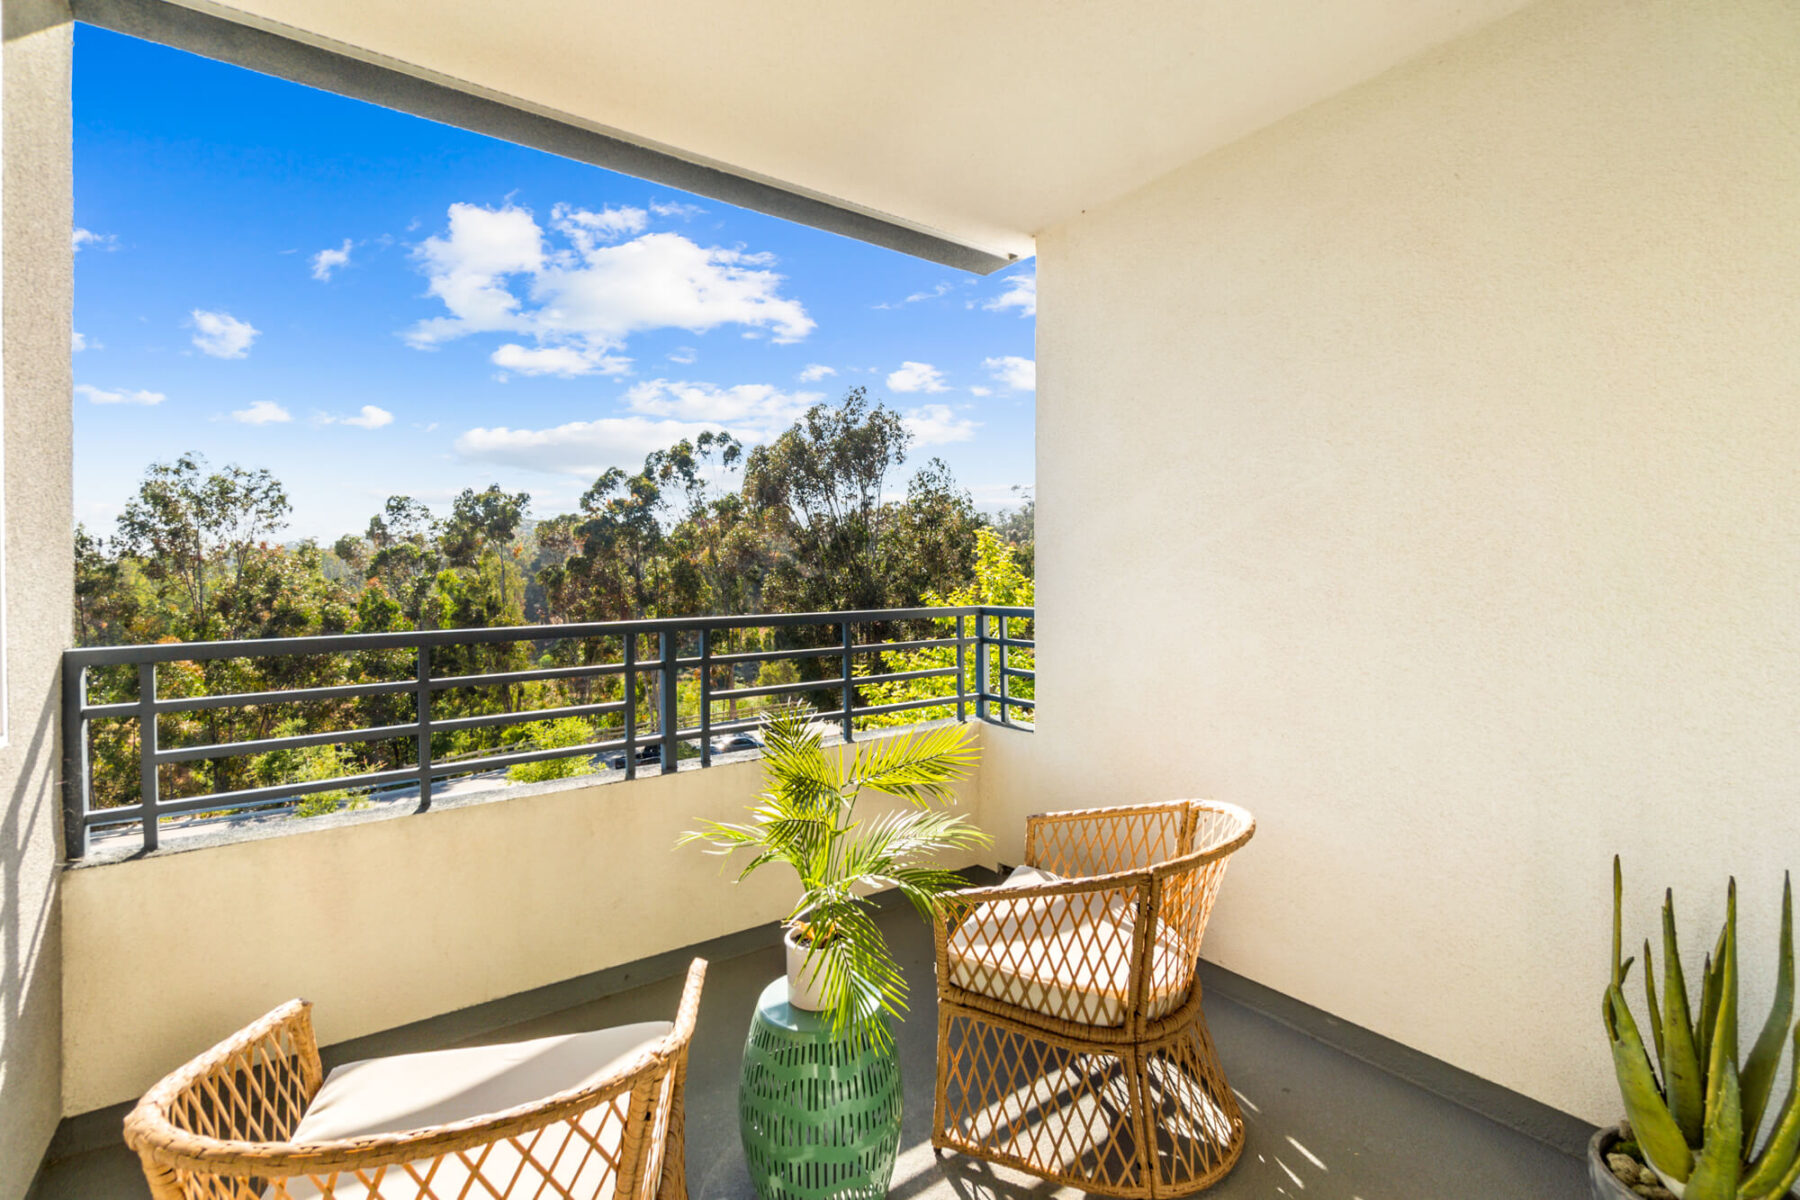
(922, 767)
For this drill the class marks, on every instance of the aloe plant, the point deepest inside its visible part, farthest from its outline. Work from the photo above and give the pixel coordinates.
(1696, 1110)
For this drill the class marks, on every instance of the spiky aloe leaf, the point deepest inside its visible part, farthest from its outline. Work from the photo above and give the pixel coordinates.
(1765, 1056)
(1710, 979)
(1618, 971)
(1682, 1080)
(1780, 1158)
(1656, 1017)
(1720, 1161)
(1726, 1023)
(1716, 1170)
(1656, 1130)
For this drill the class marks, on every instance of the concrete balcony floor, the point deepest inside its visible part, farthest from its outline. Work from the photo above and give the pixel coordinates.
(1322, 1124)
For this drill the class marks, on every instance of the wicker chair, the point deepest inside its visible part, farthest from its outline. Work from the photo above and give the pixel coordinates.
(1070, 1040)
(238, 1122)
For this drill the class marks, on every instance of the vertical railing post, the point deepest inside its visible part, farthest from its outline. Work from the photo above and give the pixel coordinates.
(667, 715)
(422, 708)
(146, 716)
(849, 689)
(628, 656)
(77, 783)
(962, 688)
(1005, 708)
(705, 697)
(981, 665)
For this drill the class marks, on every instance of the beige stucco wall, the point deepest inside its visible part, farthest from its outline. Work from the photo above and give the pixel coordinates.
(1424, 474)
(391, 921)
(34, 376)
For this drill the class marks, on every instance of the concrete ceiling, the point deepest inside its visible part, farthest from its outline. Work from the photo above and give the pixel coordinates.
(983, 121)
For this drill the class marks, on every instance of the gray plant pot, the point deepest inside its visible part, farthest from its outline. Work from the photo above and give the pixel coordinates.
(1601, 1181)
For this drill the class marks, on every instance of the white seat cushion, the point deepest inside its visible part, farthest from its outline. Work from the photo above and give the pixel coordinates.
(1063, 956)
(421, 1091)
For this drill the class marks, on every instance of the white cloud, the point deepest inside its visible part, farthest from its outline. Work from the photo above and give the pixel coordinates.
(683, 355)
(222, 335)
(942, 289)
(936, 424)
(815, 372)
(369, 418)
(77, 341)
(753, 410)
(94, 395)
(565, 362)
(263, 412)
(327, 261)
(87, 237)
(1020, 293)
(583, 448)
(1012, 372)
(585, 228)
(662, 412)
(917, 377)
(495, 273)
(675, 208)
(975, 389)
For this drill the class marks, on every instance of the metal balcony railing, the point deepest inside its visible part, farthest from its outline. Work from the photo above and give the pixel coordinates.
(654, 679)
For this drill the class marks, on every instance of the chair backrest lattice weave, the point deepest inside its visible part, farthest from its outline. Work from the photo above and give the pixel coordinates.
(1101, 841)
(217, 1129)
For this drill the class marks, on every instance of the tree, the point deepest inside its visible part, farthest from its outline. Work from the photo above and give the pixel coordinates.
(184, 522)
(821, 485)
(999, 581)
(480, 521)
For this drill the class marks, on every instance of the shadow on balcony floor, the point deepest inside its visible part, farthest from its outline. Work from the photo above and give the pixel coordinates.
(1321, 1124)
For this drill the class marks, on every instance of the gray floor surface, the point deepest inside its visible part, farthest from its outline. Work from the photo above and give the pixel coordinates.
(1321, 1125)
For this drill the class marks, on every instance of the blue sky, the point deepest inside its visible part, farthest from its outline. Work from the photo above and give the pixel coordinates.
(370, 304)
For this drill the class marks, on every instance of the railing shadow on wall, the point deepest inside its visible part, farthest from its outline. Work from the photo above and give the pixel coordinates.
(120, 712)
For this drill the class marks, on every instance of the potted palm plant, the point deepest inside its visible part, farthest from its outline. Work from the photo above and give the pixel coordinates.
(819, 1097)
(838, 960)
(1694, 1113)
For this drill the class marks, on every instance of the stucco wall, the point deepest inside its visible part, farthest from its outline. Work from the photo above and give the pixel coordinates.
(1423, 473)
(34, 375)
(387, 922)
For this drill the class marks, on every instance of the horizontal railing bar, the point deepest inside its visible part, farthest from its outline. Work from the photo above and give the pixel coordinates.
(776, 689)
(250, 796)
(283, 696)
(755, 656)
(493, 720)
(343, 643)
(903, 676)
(124, 708)
(903, 705)
(1018, 700)
(1020, 672)
(1000, 610)
(294, 742)
(497, 678)
(1013, 643)
(758, 656)
(492, 761)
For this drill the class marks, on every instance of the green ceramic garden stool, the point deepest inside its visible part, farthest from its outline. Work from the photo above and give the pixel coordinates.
(820, 1115)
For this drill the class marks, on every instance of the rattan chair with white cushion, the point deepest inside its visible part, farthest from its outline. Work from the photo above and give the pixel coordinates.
(585, 1116)
(1070, 1039)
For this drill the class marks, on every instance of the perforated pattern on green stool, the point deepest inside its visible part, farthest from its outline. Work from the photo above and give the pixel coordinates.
(820, 1115)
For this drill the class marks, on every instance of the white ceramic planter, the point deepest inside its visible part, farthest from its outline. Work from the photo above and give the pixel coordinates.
(805, 989)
